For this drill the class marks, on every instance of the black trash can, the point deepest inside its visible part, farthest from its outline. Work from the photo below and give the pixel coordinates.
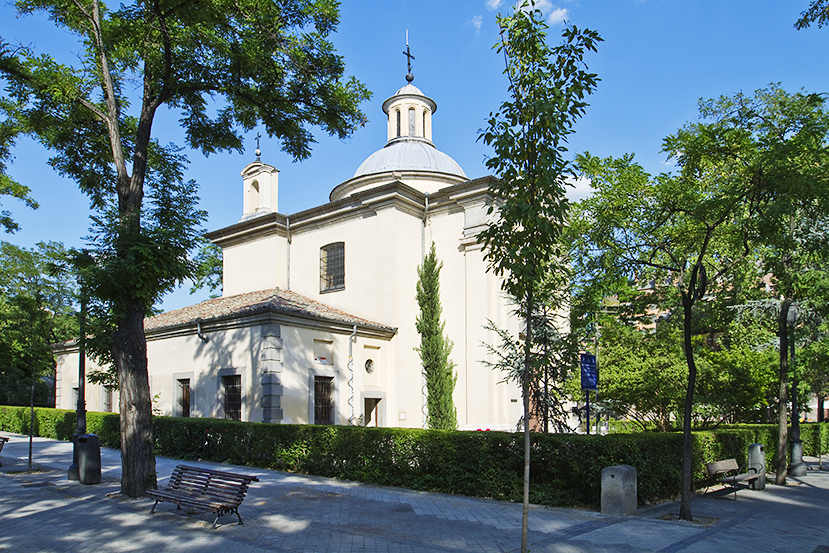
(89, 458)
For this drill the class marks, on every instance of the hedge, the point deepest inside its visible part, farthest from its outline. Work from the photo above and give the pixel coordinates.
(565, 468)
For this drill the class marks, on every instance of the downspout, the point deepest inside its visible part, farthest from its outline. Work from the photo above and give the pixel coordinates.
(351, 373)
(424, 392)
(199, 333)
(288, 264)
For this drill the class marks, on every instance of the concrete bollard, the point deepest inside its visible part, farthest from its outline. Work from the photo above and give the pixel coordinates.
(619, 490)
(757, 461)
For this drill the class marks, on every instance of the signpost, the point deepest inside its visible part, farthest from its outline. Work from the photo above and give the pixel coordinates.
(589, 379)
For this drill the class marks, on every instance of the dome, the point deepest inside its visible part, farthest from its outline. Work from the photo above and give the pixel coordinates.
(409, 155)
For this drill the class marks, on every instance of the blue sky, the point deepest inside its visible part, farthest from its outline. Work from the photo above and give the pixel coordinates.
(658, 58)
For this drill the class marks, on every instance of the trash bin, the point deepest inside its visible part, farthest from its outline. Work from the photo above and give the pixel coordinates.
(89, 458)
(757, 461)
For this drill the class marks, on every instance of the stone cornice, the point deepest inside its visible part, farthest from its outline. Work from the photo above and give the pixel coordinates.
(394, 194)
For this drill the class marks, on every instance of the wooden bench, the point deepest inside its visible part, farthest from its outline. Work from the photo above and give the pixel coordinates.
(205, 489)
(729, 474)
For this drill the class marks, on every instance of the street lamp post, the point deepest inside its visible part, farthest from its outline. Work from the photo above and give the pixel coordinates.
(796, 466)
(82, 261)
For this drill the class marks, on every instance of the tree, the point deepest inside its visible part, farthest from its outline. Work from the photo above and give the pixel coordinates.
(817, 12)
(435, 347)
(679, 232)
(8, 186)
(224, 66)
(528, 135)
(741, 169)
(36, 310)
(786, 137)
(553, 356)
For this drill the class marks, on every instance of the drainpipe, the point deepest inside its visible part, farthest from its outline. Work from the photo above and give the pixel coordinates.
(424, 392)
(288, 267)
(351, 373)
(199, 332)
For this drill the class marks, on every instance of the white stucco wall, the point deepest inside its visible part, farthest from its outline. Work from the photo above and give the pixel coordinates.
(257, 264)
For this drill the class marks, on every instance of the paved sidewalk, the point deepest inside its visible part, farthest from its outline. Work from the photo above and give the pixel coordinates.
(43, 511)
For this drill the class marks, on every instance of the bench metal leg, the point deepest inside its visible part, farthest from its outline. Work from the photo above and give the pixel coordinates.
(154, 506)
(215, 520)
(239, 516)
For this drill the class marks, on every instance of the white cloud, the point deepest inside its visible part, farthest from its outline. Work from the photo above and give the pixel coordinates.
(557, 16)
(579, 188)
(554, 14)
(477, 21)
(493, 4)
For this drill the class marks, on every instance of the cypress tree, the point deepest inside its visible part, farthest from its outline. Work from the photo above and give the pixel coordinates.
(435, 347)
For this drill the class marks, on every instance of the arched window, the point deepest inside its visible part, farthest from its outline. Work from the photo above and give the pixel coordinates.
(397, 111)
(412, 122)
(332, 267)
(424, 125)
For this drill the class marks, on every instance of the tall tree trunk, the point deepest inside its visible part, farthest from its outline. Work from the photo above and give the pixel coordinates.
(129, 350)
(782, 401)
(687, 478)
(525, 390)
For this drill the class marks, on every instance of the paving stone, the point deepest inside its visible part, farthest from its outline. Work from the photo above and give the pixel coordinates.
(43, 511)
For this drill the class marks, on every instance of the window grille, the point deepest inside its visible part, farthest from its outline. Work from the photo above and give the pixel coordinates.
(232, 387)
(184, 397)
(107, 400)
(323, 400)
(332, 267)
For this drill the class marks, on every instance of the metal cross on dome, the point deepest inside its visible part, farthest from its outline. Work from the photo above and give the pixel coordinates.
(409, 58)
(258, 151)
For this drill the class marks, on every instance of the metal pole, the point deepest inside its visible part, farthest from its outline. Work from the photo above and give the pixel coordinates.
(796, 466)
(588, 410)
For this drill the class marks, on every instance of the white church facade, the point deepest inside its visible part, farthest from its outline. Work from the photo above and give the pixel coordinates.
(316, 323)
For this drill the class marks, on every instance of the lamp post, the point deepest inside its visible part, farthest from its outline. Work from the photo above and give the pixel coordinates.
(81, 261)
(796, 466)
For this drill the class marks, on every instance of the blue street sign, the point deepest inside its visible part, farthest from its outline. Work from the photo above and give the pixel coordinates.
(589, 372)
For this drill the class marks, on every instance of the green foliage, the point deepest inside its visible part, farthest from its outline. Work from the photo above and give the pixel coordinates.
(643, 374)
(566, 468)
(435, 347)
(208, 271)
(36, 310)
(553, 359)
(528, 135)
(817, 12)
(224, 67)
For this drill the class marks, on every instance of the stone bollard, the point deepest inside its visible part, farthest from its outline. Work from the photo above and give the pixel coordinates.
(619, 490)
(757, 461)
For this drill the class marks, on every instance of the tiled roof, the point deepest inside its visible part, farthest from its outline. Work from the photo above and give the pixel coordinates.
(273, 300)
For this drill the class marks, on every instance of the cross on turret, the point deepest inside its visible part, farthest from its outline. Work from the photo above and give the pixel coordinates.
(258, 151)
(409, 58)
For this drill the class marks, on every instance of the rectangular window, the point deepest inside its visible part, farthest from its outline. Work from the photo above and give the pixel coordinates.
(232, 392)
(323, 400)
(412, 122)
(75, 393)
(332, 267)
(107, 400)
(184, 397)
(397, 111)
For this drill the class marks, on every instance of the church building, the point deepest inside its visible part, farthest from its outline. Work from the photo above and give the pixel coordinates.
(316, 323)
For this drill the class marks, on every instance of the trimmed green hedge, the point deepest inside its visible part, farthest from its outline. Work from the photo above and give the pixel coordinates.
(565, 468)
